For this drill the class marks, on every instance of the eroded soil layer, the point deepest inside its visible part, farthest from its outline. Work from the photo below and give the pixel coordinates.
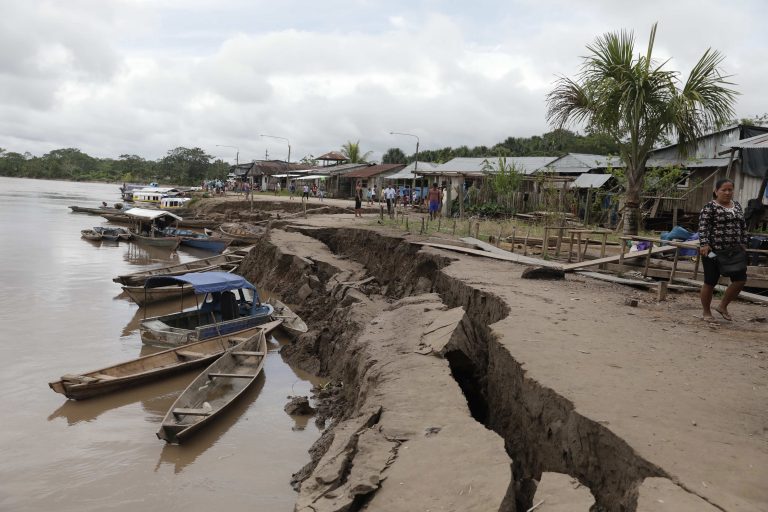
(432, 349)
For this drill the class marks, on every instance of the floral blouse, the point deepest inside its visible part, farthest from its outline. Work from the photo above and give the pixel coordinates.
(721, 227)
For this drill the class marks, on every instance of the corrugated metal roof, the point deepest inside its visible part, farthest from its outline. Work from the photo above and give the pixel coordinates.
(591, 180)
(143, 213)
(525, 164)
(407, 173)
(374, 170)
(333, 170)
(756, 142)
(698, 163)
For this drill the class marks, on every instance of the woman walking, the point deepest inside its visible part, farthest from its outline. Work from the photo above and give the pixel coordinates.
(723, 236)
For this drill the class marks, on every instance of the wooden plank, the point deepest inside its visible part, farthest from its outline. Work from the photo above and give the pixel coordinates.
(238, 340)
(181, 411)
(483, 246)
(515, 258)
(633, 282)
(743, 295)
(77, 378)
(611, 259)
(246, 353)
(103, 376)
(230, 375)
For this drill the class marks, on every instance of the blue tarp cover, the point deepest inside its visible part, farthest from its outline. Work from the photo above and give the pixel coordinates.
(203, 282)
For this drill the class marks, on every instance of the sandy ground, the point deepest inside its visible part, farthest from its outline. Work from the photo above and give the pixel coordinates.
(689, 397)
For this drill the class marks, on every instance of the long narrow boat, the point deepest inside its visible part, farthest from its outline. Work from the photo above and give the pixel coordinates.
(231, 307)
(243, 233)
(200, 240)
(142, 296)
(220, 262)
(217, 387)
(293, 325)
(122, 218)
(146, 369)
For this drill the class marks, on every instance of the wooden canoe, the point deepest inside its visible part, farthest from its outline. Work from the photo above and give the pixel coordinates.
(225, 262)
(170, 242)
(242, 233)
(146, 369)
(215, 389)
(293, 325)
(142, 296)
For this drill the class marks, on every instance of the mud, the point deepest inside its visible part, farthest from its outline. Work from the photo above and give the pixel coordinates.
(419, 349)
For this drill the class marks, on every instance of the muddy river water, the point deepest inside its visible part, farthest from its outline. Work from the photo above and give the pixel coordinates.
(61, 313)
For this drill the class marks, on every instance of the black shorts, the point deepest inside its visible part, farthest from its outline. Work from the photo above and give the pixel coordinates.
(712, 273)
(305, 194)
(358, 203)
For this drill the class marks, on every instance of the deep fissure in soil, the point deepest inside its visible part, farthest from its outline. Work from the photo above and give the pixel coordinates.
(541, 429)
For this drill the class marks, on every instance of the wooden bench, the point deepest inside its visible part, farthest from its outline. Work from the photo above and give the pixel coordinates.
(181, 411)
(230, 375)
(238, 340)
(189, 354)
(246, 353)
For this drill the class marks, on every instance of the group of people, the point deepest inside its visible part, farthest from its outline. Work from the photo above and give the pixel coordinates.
(393, 196)
(306, 189)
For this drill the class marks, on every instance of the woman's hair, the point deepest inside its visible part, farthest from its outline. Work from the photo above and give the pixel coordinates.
(719, 183)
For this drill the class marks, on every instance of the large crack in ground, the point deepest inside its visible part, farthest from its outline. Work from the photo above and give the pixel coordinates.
(541, 430)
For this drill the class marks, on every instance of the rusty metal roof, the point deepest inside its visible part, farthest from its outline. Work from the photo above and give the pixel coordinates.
(756, 142)
(375, 170)
(332, 155)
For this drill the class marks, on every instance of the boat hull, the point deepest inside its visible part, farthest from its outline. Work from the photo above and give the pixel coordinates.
(170, 242)
(292, 325)
(145, 369)
(215, 389)
(206, 244)
(201, 265)
(154, 331)
(141, 295)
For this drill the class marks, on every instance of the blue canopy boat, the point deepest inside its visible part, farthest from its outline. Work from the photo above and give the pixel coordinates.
(231, 307)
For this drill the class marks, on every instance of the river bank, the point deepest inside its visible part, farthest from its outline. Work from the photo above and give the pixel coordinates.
(445, 359)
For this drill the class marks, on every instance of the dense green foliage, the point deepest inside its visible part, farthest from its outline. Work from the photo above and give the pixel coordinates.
(354, 154)
(394, 156)
(181, 166)
(554, 143)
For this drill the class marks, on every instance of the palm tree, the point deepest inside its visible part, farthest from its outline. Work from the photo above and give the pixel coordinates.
(351, 150)
(632, 99)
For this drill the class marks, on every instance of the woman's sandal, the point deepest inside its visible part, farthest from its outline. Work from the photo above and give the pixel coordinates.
(724, 314)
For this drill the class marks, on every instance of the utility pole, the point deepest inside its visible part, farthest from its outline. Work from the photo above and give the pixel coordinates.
(416, 164)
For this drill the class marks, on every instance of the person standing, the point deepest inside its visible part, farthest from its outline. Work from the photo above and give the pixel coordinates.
(434, 201)
(292, 189)
(321, 190)
(723, 237)
(277, 188)
(359, 199)
(373, 195)
(305, 193)
(389, 197)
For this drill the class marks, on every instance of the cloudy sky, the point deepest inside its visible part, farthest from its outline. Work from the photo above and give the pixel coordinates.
(144, 76)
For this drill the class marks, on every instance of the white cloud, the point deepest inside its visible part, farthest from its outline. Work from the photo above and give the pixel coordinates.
(135, 76)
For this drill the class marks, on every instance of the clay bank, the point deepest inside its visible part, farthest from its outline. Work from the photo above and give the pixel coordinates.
(463, 387)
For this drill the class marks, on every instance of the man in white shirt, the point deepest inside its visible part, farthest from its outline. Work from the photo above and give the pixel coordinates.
(389, 195)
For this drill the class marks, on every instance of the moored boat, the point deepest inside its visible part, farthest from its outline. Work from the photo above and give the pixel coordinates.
(143, 296)
(217, 387)
(225, 262)
(231, 307)
(199, 240)
(243, 233)
(113, 234)
(149, 225)
(293, 325)
(91, 235)
(145, 369)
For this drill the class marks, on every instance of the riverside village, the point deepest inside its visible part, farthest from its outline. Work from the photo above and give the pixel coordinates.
(567, 322)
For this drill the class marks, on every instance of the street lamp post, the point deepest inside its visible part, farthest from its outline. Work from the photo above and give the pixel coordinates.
(281, 138)
(416, 164)
(237, 166)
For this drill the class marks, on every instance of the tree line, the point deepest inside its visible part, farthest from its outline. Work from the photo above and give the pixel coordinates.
(181, 166)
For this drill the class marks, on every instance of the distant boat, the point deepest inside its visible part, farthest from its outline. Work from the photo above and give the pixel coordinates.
(226, 310)
(199, 240)
(225, 262)
(216, 388)
(95, 211)
(293, 325)
(145, 369)
(113, 234)
(91, 235)
(243, 233)
(148, 226)
(143, 296)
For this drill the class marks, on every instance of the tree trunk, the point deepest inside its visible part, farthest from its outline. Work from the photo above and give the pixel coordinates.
(632, 217)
